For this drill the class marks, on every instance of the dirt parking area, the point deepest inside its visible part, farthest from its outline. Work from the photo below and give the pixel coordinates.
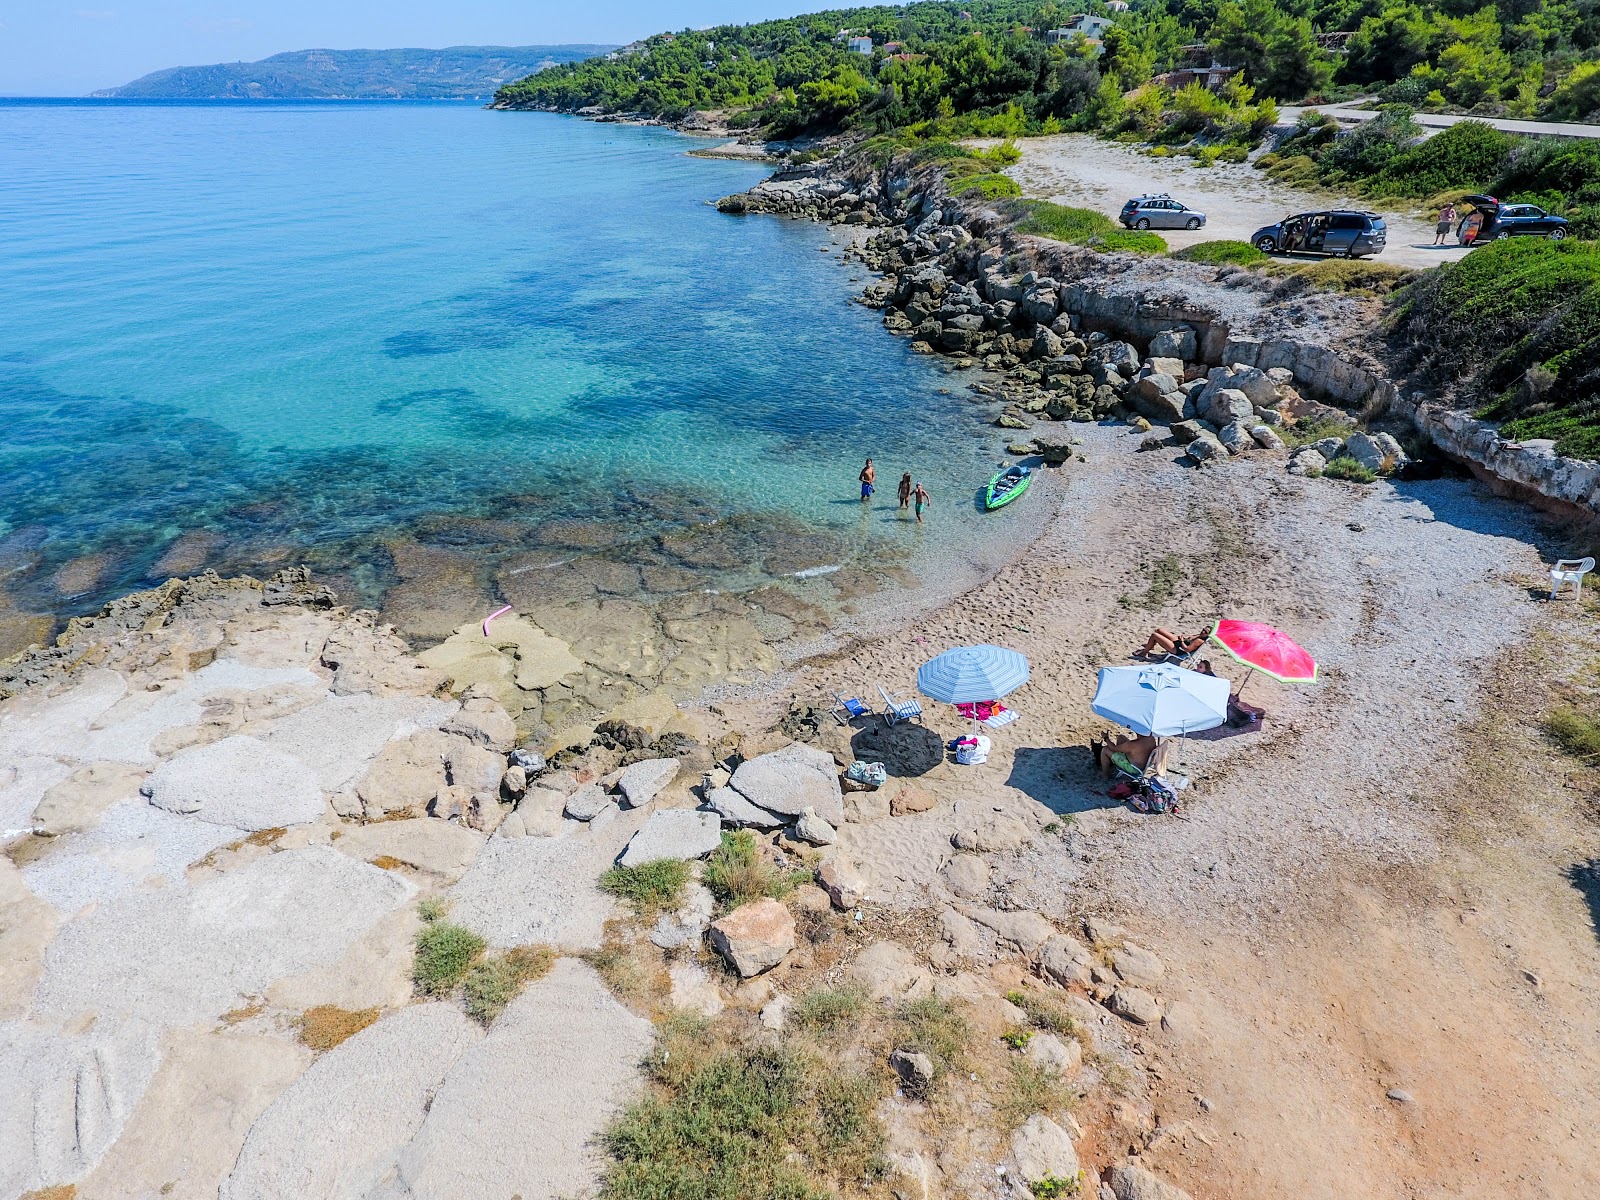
(1082, 170)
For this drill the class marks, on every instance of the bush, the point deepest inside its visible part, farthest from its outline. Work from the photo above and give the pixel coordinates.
(755, 1123)
(1575, 733)
(1468, 154)
(931, 1026)
(1220, 253)
(650, 887)
(1348, 469)
(444, 952)
(1516, 324)
(1086, 227)
(491, 985)
(737, 874)
(1044, 1012)
(1342, 275)
(825, 1011)
(988, 186)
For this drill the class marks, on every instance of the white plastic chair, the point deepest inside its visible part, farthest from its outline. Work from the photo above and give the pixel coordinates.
(897, 708)
(1570, 570)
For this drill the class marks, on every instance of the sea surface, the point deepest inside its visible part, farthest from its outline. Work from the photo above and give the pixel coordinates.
(436, 352)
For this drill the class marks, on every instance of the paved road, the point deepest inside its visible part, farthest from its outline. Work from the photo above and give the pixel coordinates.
(1343, 112)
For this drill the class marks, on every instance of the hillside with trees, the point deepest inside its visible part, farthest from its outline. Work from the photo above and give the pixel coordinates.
(454, 73)
(993, 66)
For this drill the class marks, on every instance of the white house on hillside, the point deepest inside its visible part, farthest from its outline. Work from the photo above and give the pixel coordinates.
(860, 45)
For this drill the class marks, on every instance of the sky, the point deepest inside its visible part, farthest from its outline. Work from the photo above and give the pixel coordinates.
(73, 47)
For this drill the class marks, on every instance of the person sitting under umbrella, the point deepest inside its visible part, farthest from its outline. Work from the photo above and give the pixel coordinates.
(1132, 755)
(1170, 643)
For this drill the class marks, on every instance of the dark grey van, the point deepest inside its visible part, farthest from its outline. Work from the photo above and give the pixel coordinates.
(1343, 233)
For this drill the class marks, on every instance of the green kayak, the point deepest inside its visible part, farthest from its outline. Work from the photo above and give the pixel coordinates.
(1006, 487)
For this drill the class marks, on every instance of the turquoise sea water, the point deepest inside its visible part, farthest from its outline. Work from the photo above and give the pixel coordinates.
(426, 342)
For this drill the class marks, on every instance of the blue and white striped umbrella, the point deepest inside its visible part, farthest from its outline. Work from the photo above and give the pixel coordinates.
(1162, 700)
(969, 674)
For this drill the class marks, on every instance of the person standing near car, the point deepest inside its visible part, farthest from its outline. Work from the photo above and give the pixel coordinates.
(1471, 227)
(1447, 218)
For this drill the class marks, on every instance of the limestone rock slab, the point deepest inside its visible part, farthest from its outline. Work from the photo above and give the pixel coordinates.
(641, 782)
(335, 1131)
(190, 953)
(519, 1113)
(736, 810)
(239, 781)
(526, 890)
(678, 833)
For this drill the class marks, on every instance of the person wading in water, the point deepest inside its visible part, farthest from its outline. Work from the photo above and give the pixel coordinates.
(868, 475)
(905, 490)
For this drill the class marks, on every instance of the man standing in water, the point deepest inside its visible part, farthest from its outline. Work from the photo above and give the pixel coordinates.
(920, 495)
(905, 490)
(868, 475)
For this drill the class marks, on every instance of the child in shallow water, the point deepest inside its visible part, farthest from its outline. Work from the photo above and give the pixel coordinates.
(921, 497)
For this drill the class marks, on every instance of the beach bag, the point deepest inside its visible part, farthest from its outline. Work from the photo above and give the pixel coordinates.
(973, 752)
(872, 774)
(1156, 796)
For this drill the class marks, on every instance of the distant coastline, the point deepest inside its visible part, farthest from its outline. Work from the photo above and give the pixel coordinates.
(454, 73)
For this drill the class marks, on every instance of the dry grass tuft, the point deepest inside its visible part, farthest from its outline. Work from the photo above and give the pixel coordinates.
(388, 862)
(263, 837)
(1031, 1088)
(61, 1191)
(326, 1026)
(635, 975)
(235, 1016)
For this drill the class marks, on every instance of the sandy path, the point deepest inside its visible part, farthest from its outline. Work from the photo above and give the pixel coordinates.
(1082, 170)
(1353, 903)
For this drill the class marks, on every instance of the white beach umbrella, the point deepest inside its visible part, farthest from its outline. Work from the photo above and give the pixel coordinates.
(1161, 700)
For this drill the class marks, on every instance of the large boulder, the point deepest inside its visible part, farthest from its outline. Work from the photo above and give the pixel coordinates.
(754, 937)
(374, 1090)
(845, 885)
(1046, 345)
(1065, 960)
(1040, 304)
(1119, 356)
(1227, 405)
(1206, 448)
(1266, 438)
(1235, 437)
(1375, 452)
(791, 780)
(1157, 397)
(736, 810)
(1042, 1151)
(642, 781)
(678, 833)
(1174, 343)
(486, 722)
(1307, 461)
(1255, 385)
(1132, 1182)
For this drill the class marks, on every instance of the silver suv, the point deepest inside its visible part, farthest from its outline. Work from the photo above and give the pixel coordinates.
(1159, 212)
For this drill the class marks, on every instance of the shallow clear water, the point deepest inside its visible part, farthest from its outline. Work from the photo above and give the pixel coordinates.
(433, 346)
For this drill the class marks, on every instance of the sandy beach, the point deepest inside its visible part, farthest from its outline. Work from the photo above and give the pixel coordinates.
(1361, 961)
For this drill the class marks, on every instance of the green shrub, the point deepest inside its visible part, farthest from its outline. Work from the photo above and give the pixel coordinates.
(650, 887)
(988, 186)
(931, 1026)
(1467, 154)
(1032, 1088)
(1348, 469)
(1303, 434)
(1523, 317)
(1044, 1012)
(1052, 1188)
(756, 1123)
(940, 151)
(492, 984)
(433, 909)
(1220, 253)
(1085, 227)
(1003, 154)
(1576, 733)
(1345, 275)
(737, 874)
(825, 1011)
(444, 952)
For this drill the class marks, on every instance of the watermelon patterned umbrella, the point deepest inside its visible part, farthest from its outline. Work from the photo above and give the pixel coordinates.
(1265, 649)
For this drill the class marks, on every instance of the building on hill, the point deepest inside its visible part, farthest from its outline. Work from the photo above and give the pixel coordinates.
(1212, 77)
(1088, 25)
(859, 45)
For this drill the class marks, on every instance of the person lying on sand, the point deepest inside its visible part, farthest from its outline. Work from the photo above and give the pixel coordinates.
(1170, 643)
(1131, 754)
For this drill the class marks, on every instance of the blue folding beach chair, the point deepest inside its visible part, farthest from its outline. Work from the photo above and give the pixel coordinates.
(847, 708)
(897, 708)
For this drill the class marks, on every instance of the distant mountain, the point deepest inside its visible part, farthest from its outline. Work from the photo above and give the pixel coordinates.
(456, 72)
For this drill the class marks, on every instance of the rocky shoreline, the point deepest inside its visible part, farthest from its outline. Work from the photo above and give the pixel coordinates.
(1079, 335)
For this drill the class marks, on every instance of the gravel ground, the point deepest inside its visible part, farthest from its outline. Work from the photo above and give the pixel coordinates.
(1237, 199)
